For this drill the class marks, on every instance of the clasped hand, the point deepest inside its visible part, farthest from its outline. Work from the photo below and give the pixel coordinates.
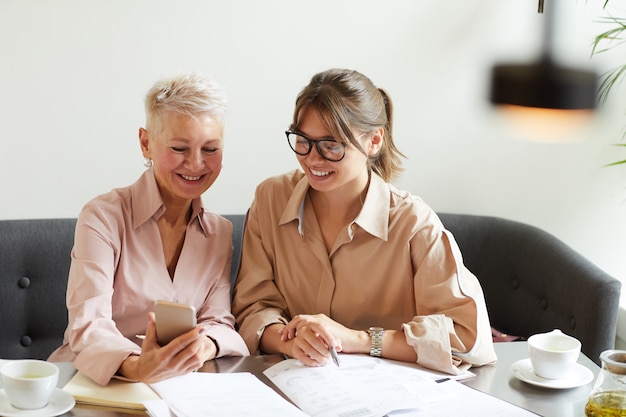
(184, 354)
(310, 337)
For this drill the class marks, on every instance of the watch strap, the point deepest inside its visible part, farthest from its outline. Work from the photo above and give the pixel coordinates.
(376, 341)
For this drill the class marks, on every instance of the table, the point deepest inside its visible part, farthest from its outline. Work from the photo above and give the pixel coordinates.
(498, 381)
(495, 380)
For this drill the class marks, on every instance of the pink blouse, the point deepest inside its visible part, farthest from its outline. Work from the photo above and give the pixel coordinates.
(118, 270)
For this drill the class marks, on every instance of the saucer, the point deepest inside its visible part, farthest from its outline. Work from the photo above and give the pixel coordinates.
(60, 402)
(523, 370)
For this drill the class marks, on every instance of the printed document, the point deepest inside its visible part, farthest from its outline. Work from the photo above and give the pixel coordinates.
(364, 386)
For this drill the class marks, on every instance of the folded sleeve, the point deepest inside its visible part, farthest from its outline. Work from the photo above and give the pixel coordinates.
(451, 330)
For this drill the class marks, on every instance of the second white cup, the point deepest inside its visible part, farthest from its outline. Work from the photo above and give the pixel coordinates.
(553, 354)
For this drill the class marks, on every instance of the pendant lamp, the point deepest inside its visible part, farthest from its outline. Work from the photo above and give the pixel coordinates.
(546, 98)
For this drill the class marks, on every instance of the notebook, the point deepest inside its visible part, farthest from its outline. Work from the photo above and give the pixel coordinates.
(117, 393)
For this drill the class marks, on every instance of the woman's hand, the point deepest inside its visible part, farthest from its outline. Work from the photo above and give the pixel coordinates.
(310, 337)
(184, 354)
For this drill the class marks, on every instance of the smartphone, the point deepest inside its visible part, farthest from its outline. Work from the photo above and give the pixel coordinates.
(172, 320)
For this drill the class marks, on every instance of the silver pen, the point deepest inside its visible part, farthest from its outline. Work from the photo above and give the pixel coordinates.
(333, 354)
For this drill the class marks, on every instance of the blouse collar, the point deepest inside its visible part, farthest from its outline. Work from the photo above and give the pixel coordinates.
(148, 204)
(373, 217)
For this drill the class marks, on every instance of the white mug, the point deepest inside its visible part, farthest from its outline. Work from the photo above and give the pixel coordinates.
(29, 383)
(553, 354)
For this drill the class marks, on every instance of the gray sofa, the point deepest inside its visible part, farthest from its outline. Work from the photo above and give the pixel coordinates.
(532, 282)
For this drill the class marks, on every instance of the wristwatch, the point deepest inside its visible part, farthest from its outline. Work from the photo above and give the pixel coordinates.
(376, 346)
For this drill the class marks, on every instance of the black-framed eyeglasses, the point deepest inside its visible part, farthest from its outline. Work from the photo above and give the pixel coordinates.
(329, 149)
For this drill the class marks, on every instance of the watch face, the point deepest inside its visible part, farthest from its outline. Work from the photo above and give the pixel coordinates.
(376, 329)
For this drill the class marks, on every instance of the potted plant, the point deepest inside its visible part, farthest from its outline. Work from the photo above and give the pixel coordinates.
(615, 36)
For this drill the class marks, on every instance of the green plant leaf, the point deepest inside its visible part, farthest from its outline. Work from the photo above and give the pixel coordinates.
(608, 80)
(603, 42)
(606, 41)
(622, 162)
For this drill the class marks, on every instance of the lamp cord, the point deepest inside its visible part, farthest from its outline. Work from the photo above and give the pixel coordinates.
(548, 28)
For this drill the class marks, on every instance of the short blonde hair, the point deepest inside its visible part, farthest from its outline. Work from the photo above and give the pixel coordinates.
(188, 94)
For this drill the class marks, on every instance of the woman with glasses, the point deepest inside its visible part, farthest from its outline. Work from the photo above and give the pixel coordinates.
(334, 256)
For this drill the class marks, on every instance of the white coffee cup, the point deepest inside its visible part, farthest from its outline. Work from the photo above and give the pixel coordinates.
(29, 383)
(553, 354)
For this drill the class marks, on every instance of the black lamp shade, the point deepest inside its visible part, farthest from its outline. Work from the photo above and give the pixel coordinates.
(544, 85)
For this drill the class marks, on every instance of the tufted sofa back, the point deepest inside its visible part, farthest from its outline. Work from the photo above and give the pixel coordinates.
(532, 282)
(34, 264)
(535, 283)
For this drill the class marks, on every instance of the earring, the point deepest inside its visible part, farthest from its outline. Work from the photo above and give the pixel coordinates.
(147, 162)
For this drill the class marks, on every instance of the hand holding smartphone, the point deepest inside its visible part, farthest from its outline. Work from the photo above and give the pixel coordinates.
(172, 320)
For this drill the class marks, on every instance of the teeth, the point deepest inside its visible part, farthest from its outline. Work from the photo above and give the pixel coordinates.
(319, 173)
(188, 178)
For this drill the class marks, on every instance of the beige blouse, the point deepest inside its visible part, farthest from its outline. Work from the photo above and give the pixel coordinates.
(394, 266)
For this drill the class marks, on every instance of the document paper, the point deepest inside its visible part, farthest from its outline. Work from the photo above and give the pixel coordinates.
(373, 387)
(201, 394)
(362, 387)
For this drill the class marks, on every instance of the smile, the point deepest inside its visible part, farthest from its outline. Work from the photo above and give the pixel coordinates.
(319, 173)
(189, 178)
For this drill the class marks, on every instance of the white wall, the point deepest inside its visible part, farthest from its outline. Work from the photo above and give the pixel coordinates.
(74, 73)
